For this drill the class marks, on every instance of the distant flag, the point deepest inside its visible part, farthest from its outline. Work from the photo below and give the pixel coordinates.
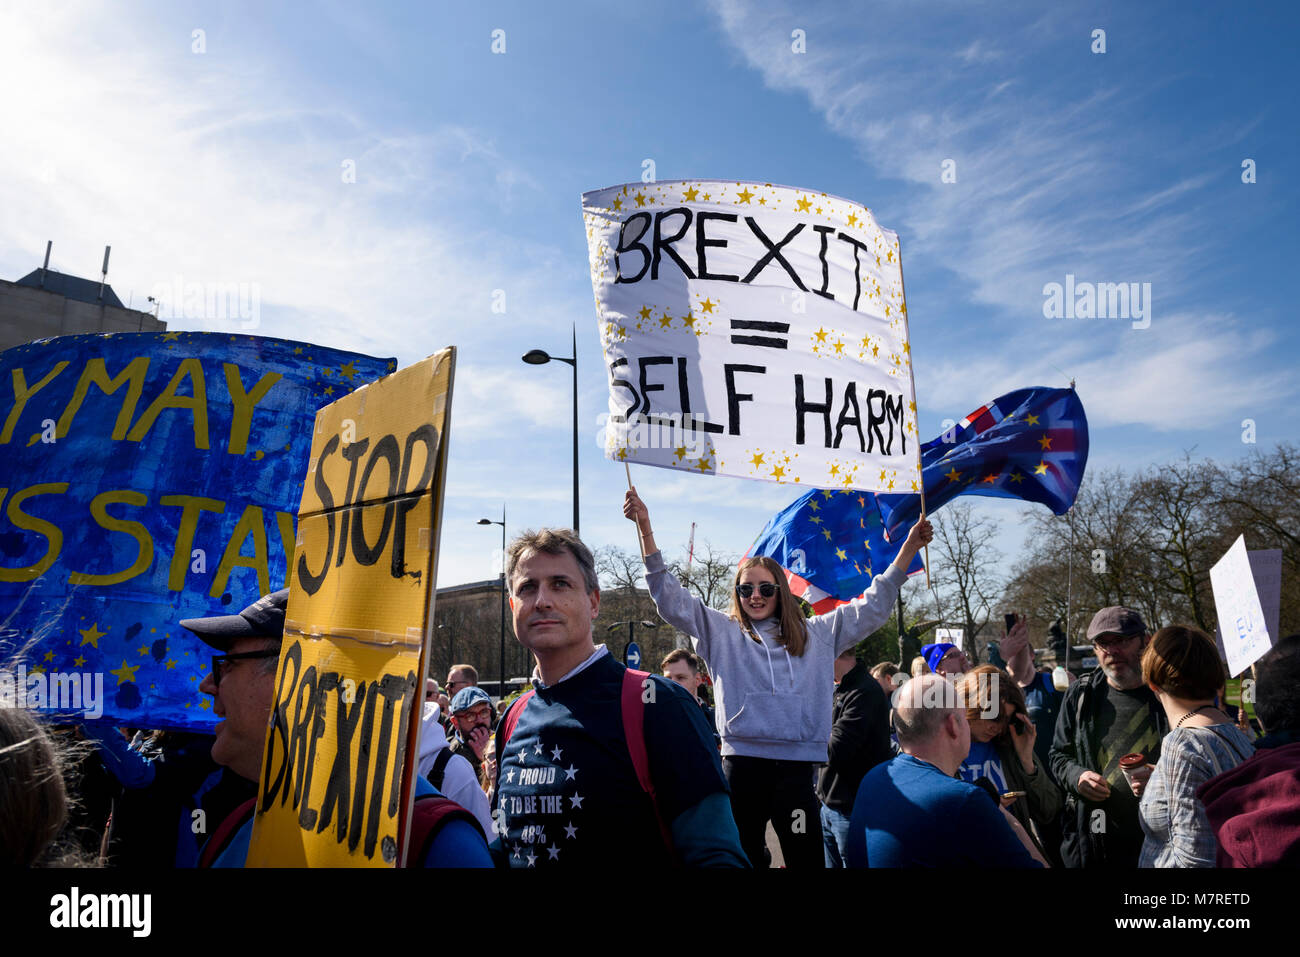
(831, 544)
(1030, 444)
(690, 553)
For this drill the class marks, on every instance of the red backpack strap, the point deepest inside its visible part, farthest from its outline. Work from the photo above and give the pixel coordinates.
(512, 717)
(225, 831)
(432, 812)
(634, 731)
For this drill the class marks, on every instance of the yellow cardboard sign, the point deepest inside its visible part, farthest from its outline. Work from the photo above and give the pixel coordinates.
(337, 770)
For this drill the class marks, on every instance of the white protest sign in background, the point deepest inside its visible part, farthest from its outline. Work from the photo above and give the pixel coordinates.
(753, 330)
(1241, 619)
(952, 636)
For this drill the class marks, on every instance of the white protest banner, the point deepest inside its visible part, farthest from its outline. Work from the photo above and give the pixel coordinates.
(753, 330)
(1241, 620)
(952, 636)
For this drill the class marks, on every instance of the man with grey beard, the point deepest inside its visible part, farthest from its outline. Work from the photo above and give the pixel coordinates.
(1106, 715)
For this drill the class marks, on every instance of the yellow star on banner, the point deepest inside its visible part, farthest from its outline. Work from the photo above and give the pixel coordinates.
(778, 471)
(644, 312)
(1031, 419)
(875, 350)
(79, 661)
(913, 485)
(891, 485)
(839, 553)
(1045, 443)
(707, 305)
(835, 470)
(989, 479)
(826, 533)
(680, 452)
(757, 459)
(882, 475)
(815, 519)
(867, 546)
(171, 336)
(820, 334)
(688, 321)
(205, 703)
(803, 205)
(37, 670)
(91, 635)
(762, 201)
(125, 673)
(839, 348)
(142, 650)
(952, 476)
(705, 197)
(907, 347)
(704, 464)
(348, 371)
(329, 390)
(49, 656)
(690, 194)
(665, 321)
(640, 199)
(853, 219)
(889, 256)
(745, 195)
(1017, 477)
(814, 504)
(618, 202)
(171, 663)
(622, 455)
(862, 502)
(1040, 468)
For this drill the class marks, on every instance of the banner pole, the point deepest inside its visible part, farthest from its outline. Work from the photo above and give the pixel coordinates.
(911, 374)
(639, 543)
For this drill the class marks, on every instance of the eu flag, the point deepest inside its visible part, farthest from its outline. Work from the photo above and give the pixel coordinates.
(831, 544)
(1030, 444)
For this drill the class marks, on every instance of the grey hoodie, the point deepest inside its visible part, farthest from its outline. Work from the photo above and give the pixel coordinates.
(771, 704)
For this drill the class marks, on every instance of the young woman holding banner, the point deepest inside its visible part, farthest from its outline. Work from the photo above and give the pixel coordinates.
(773, 677)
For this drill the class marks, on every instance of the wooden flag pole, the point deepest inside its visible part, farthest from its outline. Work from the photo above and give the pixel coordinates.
(639, 542)
(907, 332)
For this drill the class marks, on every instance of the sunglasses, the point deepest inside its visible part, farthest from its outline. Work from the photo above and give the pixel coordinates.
(220, 663)
(766, 589)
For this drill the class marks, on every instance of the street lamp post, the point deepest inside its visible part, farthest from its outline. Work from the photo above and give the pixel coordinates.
(537, 357)
(501, 687)
(631, 632)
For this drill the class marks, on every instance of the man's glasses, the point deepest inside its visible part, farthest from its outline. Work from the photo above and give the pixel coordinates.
(220, 662)
(1111, 643)
(766, 589)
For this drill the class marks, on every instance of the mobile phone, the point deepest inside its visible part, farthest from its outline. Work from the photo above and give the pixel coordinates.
(1010, 620)
(1013, 794)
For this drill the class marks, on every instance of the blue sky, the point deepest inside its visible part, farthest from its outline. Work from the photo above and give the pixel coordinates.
(1122, 166)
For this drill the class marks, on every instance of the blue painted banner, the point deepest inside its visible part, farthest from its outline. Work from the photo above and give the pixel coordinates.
(146, 478)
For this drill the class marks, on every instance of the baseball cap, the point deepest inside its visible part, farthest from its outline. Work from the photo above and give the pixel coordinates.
(467, 698)
(264, 618)
(1116, 620)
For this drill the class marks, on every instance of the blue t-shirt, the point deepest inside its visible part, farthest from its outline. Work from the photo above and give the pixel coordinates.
(983, 762)
(567, 792)
(910, 814)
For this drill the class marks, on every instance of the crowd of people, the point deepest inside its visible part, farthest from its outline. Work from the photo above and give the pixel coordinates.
(936, 763)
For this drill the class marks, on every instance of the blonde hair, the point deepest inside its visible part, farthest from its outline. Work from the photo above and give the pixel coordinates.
(919, 667)
(794, 629)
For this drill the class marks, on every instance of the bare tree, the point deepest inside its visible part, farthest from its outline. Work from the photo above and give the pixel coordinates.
(966, 562)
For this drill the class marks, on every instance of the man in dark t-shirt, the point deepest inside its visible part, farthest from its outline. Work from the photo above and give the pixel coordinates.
(1106, 715)
(568, 791)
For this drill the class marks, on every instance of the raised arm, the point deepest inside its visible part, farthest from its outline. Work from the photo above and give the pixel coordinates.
(676, 605)
(850, 623)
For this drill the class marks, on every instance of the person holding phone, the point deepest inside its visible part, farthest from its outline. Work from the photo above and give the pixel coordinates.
(1002, 742)
(773, 674)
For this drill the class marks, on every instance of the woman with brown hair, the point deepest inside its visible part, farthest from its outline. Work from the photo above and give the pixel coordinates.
(33, 800)
(1182, 666)
(1002, 750)
(773, 677)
